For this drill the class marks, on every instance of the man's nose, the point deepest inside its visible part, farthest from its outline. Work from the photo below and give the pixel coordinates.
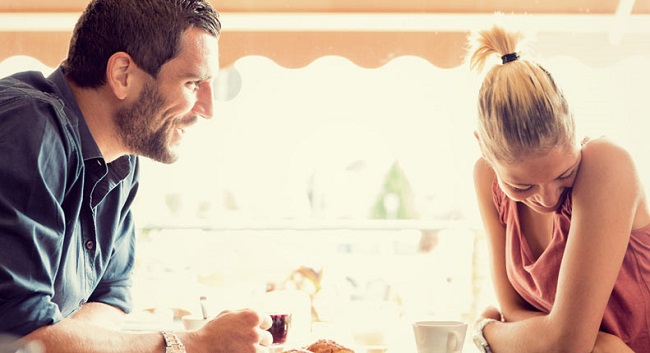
(205, 102)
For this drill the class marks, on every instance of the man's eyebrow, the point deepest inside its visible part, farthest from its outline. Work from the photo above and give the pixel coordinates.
(195, 76)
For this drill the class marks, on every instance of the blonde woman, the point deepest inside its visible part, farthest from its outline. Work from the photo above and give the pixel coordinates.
(567, 221)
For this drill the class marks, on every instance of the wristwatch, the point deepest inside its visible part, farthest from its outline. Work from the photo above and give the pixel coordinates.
(172, 343)
(478, 337)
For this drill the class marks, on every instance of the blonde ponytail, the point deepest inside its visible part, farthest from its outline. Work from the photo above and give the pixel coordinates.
(521, 110)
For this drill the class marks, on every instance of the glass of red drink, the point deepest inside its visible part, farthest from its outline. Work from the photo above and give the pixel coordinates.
(280, 327)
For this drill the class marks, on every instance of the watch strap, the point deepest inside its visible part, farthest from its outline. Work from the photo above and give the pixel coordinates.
(173, 344)
(479, 338)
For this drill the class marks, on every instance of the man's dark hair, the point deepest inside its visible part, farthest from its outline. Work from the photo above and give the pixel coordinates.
(148, 30)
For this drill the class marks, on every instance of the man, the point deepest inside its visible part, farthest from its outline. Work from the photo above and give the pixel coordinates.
(138, 74)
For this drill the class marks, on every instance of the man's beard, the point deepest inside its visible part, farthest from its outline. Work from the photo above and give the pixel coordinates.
(135, 127)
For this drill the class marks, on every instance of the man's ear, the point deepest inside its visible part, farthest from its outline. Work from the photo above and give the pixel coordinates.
(120, 73)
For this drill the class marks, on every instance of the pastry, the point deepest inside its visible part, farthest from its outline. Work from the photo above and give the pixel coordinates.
(297, 350)
(328, 346)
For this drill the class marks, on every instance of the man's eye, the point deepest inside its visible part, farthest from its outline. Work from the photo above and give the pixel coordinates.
(194, 84)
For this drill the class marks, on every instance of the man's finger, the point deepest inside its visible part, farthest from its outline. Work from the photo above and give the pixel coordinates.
(267, 339)
(266, 322)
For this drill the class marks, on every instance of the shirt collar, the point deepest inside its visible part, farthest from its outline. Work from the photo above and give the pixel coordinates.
(89, 148)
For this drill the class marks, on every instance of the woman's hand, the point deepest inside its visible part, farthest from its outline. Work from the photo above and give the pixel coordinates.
(608, 343)
(490, 312)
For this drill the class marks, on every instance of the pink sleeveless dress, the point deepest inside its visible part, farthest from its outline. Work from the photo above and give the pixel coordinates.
(628, 312)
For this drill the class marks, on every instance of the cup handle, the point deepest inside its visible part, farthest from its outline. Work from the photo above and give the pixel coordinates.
(454, 347)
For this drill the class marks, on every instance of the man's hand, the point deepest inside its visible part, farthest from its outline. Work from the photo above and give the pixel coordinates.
(241, 331)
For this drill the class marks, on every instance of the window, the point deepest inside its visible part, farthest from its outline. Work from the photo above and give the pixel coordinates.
(339, 161)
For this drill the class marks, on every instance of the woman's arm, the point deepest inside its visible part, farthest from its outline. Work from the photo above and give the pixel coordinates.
(605, 196)
(513, 306)
(607, 343)
(524, 329)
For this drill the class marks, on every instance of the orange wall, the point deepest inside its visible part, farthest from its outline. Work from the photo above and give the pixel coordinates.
(297, 49)
(436, 6)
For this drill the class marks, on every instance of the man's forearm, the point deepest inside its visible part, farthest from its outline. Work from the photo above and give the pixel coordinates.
(100, 314)
(95, 328)
(78, 336)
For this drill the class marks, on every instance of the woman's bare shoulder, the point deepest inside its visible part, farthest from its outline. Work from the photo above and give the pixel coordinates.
(609, 168)
(604, 155)
(618, 162)
(606, 146)
(483, 170)
(483, 176)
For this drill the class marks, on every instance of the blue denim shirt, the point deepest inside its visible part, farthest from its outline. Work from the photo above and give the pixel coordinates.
(66, 229)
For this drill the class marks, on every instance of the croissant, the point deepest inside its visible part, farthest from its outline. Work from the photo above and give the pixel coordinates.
(328, 346)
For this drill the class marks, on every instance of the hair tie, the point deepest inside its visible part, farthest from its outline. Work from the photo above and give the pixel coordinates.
(509, 57)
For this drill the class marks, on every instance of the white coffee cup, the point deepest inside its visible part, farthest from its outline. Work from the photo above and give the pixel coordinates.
(193, 322)
(439, 336)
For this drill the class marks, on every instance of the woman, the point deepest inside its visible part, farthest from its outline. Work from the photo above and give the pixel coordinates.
(568, 222)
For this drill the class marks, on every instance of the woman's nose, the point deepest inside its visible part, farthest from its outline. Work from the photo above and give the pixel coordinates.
(549, 195)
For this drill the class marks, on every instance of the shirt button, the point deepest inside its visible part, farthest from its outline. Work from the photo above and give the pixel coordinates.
(90, 244)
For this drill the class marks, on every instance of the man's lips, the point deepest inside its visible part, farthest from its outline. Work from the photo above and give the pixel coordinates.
(182, 125)
(188, 121)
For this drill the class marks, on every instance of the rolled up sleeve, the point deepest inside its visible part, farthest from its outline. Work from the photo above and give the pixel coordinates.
(32, 219)
(66, 230)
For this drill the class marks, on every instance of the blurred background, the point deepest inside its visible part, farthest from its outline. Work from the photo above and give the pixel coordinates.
(335, 178)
